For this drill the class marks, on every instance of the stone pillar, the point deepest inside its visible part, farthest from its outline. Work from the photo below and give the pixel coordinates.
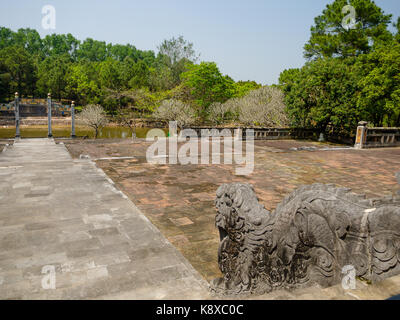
(173, 129)
(50, 134)
(73, 120)
(238, 134)
(17, 119)
(361, 136)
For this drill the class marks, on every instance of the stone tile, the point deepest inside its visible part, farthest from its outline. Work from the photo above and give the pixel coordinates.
(184, 221)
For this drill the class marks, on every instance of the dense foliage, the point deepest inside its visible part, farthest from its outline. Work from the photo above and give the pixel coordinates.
(352, 74)
(115, 76)
(330, 36)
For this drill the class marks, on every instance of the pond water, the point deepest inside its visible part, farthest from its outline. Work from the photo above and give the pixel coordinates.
(38, 131)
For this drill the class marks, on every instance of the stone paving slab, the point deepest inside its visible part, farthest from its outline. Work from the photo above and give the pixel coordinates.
(65, 213)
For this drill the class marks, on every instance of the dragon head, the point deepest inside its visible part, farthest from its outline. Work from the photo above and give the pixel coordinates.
(237, 210)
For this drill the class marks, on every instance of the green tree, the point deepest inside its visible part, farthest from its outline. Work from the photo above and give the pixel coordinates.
(80, 87)
(147, 56)
(121, 52)
(175, 53)
(51, 75)
(242, 88)
(111, 81)
(380, 85)
(29, 39)
(5, 78)
(397, 35)
(323, 92)
(207, 85)
(160, 78)
(92, 50)
(140, 76)
(6, 38)
(110, 74)
(330, 39)
(59, 44)
(19, 66)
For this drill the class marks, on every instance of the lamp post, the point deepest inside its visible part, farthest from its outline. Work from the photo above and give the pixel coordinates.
(73, 120)
(50, 134)
(16, 110)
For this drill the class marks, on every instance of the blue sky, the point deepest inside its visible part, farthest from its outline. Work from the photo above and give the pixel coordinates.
(248, 39)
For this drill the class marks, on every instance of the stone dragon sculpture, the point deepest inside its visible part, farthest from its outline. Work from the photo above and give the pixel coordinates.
(308, 239)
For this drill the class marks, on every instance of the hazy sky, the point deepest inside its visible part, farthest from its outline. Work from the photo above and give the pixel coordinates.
(248, 39)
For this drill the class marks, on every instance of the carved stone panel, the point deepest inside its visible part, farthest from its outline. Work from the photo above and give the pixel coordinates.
(308, 239)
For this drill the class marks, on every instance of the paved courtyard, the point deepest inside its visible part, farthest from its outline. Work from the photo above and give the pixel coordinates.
(179, 199)
(61, 211)
(64, 217)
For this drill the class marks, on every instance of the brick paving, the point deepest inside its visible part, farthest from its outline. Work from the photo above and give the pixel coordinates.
(179, 199)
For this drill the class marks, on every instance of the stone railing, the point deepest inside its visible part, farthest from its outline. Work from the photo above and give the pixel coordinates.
(271, 133)
(260, 133)
(313, 237)
(33, 108)
(366, 137)
(376, 137)
(36, 108)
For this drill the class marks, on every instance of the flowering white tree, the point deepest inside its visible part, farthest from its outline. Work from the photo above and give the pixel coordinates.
(175, 110)
(219, 112)
(93, 116)
(260, 107)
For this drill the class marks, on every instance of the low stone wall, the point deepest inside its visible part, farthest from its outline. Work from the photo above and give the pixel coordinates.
(33, 111)
(212, 132)
(383, 137)
(35, 121)
(149, 123)
(260, 133)
(270, 133)
(376, 137)
(284, 133)
(276, 134)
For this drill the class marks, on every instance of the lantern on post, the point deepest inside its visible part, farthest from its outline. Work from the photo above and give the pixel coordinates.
(73, 120)
(50, 134)
(16, 111)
